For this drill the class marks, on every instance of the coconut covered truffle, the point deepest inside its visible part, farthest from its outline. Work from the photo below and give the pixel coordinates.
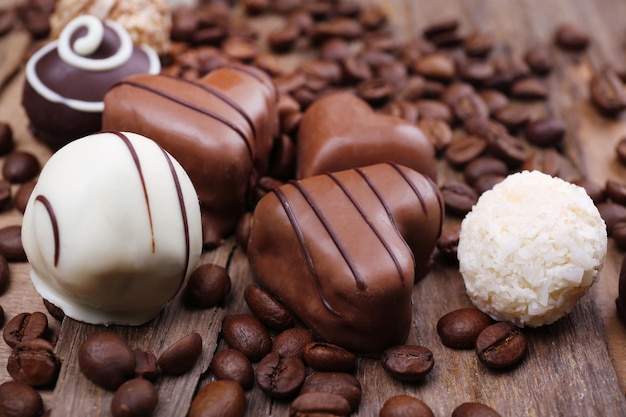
(530, 248)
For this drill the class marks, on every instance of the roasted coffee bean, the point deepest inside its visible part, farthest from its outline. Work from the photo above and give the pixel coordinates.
(484, 165)
(404, 406)
(616, 191)
(269, 63)
(463, 150)
(447, 40)
(460, 328)
(8, 17)
(540, 60)
(407, 363)
(529, 88)
(329, 71)
(181, 357)
(394, 73)
(507, 70)
(207, 286)
(184, 24)
(106, 360)
(4, 275)
(33, 362)
(37, 22)
(495, 100)
(620, 150)
(25, 326)
(487, 182)
(607, 92)
(288, 126)
(267, 309)
(20, 166)
(376, 91)
(241, 49)
(448, 24)
(470, 106)
(545, 132)
(328, 357)
(340, 383)
(507, 148)
(372, 17)
(437, 66)
(547, 161)
(458, 198)
(513, 116)
(448, 242)
(403, 109)
(593, 189)
(413, 89)
(433, 89)
(475, 71)
(6, 138)
(620, 302)
(19, 400)
(134, 398)
(382, 40)
(284, 39)
(618, 234)
(255, 7)
(246, 333)
(335, 49)
(437, 131)
(355, 69)
(319, 404)
(219, 399)
(145, 364)
(5, 194)
(280, 377)
(233, 365)
(478, 43)
(291, 342)
(341, 27)
(611, 213)
(501, 345)
(571, 36)
(432, 109)
(11, 244)
(473, 409)
(54, 311)
(375, 58)
(455, 91)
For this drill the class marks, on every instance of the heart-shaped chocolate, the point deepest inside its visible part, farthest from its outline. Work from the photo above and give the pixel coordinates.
(220, 128)
(342, 250)
(341, 131)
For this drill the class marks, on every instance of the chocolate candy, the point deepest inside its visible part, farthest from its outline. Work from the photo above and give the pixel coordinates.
(220, 128)
(342, 251)
(67, 79)
(341, 131)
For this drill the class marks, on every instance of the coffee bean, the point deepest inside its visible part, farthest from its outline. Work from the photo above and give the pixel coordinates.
(513, 116)
(433, 89)
(267, 309)
(54, 311)
(4, 275)
(280, 377)
(372, 17)
(448, 242)
(239, 48)
(20, 166)
(327, 357)
(460, 328)
(8, 18)
(407, 363)
(431, 109)
(5, 195)
(475, 71)
(495, 100)
(33, 362)
(340, 383)
(341, 27)
(607, 92)
(184, 24)
(245, 333)
(207, 286)
(403, 109)
(463, 150)
(376, 91)
(437, 131)
(484, 165)
(478, 43)
(444, 25)
(181, 357)
(145, 364)
(25, 326)
(611, 213)
(616, 191)
(284, 39)
(437, 66)
(6, 138)
(474, 409)
(593, 189)
(405, 405)
(36, 22)
(545, 132)
(540, 60)
(11, 244)
(233, 365)
(618, 232)
(106, 360)
(487, 182)
(620, 150)
(547, 161)
(501, 345)
(529, 88)
(459, 198)
(335, 49)
(470, 106)
(394, 73)
(291, 342)
(455, 91)
(571, 36)
(499, 142)
(219, 399)
(355, 69)
(319, 404)
(134, 398)
(620, 302)
(329, 71)
(19, 400)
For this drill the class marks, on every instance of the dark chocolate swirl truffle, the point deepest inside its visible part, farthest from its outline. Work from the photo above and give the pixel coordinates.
(342, 250)
(67, 79)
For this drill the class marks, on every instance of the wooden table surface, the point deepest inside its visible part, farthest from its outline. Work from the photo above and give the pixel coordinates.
(575, 367)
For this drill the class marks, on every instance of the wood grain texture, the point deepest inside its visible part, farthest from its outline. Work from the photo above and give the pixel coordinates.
(575, 367)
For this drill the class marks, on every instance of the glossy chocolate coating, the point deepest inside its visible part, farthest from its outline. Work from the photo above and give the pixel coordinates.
(220, 129)
(341, 131)
(342, 250)
(57, 123)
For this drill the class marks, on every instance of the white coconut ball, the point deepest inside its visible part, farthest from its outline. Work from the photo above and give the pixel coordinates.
(530, 249)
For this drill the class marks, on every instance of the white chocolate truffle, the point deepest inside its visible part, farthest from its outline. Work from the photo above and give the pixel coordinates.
(530, 249)
(112, 229)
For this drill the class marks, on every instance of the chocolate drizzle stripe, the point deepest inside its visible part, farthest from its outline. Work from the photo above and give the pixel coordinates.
(217, 93)
(194, 107)
(135, 157)
(284, 201)
(252, 74)
(417, 192)
(331, 232)
(55, 226)
(183, 211)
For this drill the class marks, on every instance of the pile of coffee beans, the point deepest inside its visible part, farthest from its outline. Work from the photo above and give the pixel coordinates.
(33, 14)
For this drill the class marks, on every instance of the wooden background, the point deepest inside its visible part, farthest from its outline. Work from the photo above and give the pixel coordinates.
(575, 367)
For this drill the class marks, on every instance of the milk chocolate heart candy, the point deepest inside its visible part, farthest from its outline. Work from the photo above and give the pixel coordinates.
(220, 129)
(342, 251)
(341, 131)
